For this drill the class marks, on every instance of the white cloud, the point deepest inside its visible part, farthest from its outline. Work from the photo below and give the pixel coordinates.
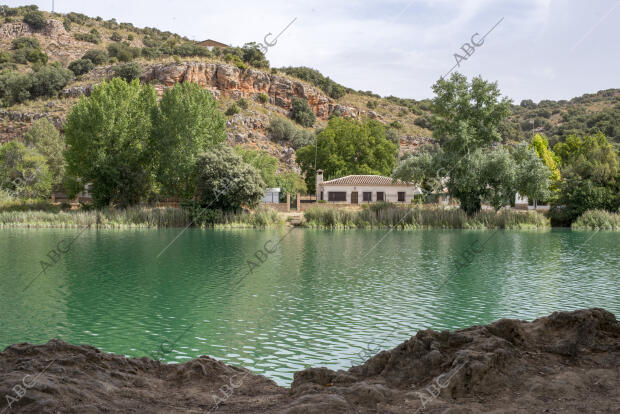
(401, 47)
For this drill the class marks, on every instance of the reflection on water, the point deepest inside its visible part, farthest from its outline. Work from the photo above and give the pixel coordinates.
(318, 300)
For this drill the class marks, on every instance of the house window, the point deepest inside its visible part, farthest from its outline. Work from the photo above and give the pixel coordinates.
(401, 196)
(367, 196)
(321, 194)
(380, 196)
(336, 196)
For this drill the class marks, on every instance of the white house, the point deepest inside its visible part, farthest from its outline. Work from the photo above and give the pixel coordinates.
(358, 189)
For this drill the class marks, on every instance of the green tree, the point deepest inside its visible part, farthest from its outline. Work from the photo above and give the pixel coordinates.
(290, 182)
(466, 122)
(97, 56)
(349, 147)
(590, 171)
(467, 115)
(224, 181)
(35, 19)
(541, 145)
(254, 56)
(23, 171)
(46, 139)
(422, 169)
(108, 142)
(127, 71)
(81, 66)
(263, 162)
(302, 113)
(186, 124)
(534, 177)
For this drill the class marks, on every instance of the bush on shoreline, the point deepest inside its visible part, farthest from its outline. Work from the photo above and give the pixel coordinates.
(389, 215)
(597, 220)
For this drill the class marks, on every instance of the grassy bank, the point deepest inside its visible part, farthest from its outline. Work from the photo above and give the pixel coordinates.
(136, 217)
(597, 220)
(388, 216)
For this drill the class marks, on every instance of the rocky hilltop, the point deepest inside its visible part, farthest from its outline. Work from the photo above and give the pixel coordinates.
(568, 362)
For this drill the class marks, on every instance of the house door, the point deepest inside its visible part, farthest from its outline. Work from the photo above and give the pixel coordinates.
(354, 197)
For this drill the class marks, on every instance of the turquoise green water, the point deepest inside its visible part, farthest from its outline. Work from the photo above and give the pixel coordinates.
(322, 298)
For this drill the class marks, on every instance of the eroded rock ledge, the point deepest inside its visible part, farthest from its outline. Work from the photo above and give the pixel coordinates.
(567, 362)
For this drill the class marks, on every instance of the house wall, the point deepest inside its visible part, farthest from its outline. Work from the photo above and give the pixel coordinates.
(391, 192)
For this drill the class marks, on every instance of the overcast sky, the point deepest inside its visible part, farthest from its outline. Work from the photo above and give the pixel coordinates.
(543, 49)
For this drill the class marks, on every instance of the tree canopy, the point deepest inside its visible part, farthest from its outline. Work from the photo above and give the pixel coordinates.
(224, 181)
(347, 147)
(23, 171)
(108, 141)
(186, 123)
(46, 139)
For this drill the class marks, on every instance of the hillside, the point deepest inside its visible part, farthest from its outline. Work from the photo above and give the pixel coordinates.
(239, 75)
(165, 59)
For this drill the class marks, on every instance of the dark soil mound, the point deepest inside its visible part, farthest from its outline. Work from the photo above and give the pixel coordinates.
(567, 362)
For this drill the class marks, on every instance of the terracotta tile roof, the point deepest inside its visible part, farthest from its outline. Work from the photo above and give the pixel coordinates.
(364, 180)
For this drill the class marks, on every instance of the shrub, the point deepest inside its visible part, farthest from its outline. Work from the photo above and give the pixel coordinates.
(281, 129)
(123, 52)
(232, 110)
(392, 135)
(87, 37)
(371, 104)
(130, 37)
(262, 97)
(224, 181)
(25, 43)
(66, 24)
(597, 220)
(396, 125)
(423, 121)
(97, 56)
(151, 52)
(35, 56)
(14, 87)
(302, 113)
(243, 104)
(5, 57)
(116, 37)
(35, 19)
(48, 80)
(284, 130)
(81, 66)
(331, 88)
(127, 71)
(78, 18)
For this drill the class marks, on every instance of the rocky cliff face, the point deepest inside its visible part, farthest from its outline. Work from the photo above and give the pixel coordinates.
(59, 44)
(228, 80)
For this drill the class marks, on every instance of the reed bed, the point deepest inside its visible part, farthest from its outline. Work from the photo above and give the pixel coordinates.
(412, 217)
(134, 217)
(597, 220)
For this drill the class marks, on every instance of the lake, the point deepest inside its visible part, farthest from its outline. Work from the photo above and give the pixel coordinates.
(318, 298)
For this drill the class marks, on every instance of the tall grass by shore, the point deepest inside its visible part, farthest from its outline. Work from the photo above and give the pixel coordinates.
(597, 220)
(393, 216)
(134, 217)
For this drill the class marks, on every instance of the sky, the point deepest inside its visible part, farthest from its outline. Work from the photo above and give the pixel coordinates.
(541, 49)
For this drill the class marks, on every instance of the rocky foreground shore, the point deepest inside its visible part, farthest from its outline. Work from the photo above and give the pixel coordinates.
(567, 362)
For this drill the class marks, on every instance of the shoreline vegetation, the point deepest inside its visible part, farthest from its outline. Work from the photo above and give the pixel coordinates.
(414, 217)
(42, 214)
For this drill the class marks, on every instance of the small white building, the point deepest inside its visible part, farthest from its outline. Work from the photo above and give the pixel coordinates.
(272, 195)
(359, 189)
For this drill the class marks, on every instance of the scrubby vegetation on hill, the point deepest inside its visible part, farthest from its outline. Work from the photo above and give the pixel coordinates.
(584, 115)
